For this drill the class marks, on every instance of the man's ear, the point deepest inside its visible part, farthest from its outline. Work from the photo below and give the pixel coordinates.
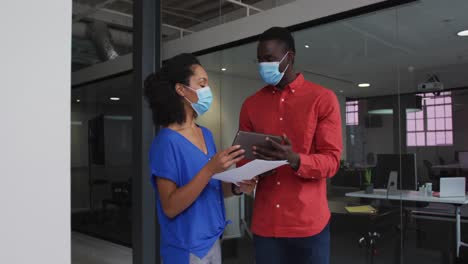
(292, 56)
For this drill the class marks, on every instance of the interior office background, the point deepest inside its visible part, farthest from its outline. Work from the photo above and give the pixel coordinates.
(384, 46)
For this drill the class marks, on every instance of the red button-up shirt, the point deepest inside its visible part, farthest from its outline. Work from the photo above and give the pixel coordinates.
(294, 203)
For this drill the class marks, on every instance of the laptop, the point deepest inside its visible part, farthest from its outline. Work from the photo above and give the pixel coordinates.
(452, 187)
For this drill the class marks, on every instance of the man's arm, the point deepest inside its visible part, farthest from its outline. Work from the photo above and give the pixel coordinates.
(325, 162)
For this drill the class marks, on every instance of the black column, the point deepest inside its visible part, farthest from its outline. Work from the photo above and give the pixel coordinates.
(146, 59)
(399, 125)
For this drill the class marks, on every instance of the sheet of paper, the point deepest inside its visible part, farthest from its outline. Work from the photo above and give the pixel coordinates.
(249, 170)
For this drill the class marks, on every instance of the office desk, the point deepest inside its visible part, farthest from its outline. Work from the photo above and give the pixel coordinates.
(456, 166)
(414, 196)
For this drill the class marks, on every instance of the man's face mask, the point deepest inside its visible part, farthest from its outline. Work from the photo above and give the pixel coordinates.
(270, 73)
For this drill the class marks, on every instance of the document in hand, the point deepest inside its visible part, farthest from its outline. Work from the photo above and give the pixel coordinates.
(249, 170)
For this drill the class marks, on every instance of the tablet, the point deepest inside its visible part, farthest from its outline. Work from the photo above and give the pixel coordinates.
(249, 139)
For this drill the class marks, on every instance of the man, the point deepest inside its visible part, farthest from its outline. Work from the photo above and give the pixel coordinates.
(291, 215)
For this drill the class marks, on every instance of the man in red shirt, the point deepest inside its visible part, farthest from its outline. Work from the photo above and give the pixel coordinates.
(291, 215)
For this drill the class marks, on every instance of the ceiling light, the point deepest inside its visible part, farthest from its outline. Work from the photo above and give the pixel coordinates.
(463, 33)
(306, 46)
(364, 84)
(223, 69)
(78, 100)
(114, 98)
(341, 91)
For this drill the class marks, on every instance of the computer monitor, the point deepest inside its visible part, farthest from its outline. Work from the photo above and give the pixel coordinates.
(407, 170)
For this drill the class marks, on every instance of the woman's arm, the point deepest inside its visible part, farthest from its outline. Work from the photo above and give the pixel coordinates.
(175, 200)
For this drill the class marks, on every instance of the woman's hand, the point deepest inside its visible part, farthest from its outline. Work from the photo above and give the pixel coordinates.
(225, 159)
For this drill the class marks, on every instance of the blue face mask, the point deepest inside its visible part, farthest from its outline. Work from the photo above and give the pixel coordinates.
(269, 71)
(205, 98)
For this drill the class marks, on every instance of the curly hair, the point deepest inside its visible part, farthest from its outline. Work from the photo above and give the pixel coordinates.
(159, 88)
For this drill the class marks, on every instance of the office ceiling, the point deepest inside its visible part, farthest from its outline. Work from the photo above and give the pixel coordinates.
(180, 13)
(393, 50)
(117, 14)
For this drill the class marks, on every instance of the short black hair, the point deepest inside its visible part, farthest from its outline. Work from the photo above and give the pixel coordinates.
(280, 34)
(159, 89)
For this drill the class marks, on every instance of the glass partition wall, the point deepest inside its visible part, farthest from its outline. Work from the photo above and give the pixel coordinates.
(400, 77)
(102, 147)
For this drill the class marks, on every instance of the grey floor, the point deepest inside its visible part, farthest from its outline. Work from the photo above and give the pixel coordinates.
(89, 250)
(423, 244)
(345, 249)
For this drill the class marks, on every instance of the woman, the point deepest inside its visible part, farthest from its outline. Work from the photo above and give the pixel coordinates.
(183, 159)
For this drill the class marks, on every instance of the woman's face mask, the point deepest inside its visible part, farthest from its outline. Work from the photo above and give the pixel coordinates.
(270, 73)
(205, 99)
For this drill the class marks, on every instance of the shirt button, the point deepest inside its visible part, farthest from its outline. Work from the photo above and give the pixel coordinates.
(274, 92)
(277, 206)
(282, 99)
(278, 183)
(293, 90)
(281, 119)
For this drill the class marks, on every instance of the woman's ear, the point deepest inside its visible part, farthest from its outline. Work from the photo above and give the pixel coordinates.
(180, 89)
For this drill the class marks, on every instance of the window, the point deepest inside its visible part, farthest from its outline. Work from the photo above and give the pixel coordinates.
(352, 116)
(434, 125)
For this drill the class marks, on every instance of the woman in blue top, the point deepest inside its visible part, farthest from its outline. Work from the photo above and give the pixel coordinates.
(183, 158)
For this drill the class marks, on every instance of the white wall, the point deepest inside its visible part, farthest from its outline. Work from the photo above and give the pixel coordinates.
(35, 134)
(229, 93)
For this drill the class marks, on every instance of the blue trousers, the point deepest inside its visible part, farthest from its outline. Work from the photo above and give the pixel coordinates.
(307, 250)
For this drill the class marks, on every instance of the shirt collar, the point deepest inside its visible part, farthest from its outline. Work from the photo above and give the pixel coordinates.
(293, 87)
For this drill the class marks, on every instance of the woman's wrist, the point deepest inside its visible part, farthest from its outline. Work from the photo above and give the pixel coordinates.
(209, 170)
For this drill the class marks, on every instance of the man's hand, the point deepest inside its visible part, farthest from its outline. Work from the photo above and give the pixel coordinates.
(278, 152)
(248, 186)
